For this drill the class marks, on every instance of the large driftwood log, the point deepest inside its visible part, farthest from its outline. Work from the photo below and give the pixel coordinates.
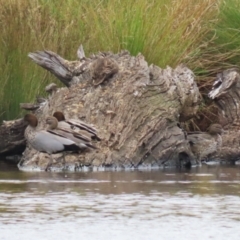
(226, 94)
(135, 107)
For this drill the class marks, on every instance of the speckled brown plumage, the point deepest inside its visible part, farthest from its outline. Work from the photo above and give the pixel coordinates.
(204, 143)
(102, 69)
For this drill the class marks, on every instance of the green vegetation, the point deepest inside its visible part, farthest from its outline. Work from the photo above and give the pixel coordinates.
(221, 46)
(203, 34)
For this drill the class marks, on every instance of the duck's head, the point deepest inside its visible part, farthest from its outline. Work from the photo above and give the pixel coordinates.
(59, 116)
(31, 119)
(215, 129)
(52, 122)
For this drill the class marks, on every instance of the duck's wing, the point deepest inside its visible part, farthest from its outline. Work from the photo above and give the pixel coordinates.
(198, 138)
(81, 140)
(81, 126)
(63, 124)
(51, 143)
(69, 133)
(73, 129)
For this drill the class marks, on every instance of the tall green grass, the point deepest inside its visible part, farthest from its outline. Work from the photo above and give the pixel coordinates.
(167, 32)
(218, 50)
(221, 46)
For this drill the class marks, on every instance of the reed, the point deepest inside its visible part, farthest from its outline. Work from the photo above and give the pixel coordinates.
(219, 50)
(220, 47)
(166, 32)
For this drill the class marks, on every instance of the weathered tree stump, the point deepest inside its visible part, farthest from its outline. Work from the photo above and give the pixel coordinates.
(226, 95)
(135, 107)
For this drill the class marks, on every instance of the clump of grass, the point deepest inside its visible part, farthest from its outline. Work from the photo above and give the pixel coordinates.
(221, 47)
(21, 81)
(219, 50)
(167, 32)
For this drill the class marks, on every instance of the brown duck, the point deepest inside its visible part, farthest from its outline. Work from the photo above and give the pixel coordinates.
(77, 125)
(47, 141)
(83, 141)
(204, 143)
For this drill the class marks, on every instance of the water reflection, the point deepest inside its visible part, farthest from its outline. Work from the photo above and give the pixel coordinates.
(200, 203)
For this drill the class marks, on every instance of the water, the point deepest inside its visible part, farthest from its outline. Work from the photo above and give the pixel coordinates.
(201, 203)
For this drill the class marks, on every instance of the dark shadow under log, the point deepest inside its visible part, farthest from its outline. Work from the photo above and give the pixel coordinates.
(135, 107)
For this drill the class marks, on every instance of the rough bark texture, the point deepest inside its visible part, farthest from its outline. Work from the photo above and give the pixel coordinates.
(12, 136)
(135, 107)
(226, 95)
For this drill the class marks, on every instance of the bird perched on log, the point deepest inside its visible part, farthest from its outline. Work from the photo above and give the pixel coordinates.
(204, 143)
(77, 125)
(83, 141)
(47, 141)
(103, 69)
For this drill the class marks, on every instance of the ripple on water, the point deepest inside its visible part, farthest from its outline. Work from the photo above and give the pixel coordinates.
(121, 206)
(123, 212)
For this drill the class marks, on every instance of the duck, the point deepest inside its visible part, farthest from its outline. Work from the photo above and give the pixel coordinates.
(47, 141)
(83, 141)
(102, 69)
(204, 143)
(76, 125)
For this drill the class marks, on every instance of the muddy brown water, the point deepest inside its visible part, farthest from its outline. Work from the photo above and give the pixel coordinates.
(201, 203)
